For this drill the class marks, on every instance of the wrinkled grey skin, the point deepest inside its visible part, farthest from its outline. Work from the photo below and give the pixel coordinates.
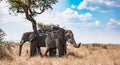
(70, 38)
(29, 36)
(57, 39)
(25, 38)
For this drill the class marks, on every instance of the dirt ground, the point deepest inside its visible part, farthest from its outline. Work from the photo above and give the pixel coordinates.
(85, 55)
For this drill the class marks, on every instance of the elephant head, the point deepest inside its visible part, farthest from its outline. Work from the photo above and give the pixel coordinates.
(25, 38)
(70, 38)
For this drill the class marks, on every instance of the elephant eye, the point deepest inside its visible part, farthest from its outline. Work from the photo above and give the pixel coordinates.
(68, 36)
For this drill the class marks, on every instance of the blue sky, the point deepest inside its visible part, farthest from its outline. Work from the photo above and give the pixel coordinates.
(90, 20)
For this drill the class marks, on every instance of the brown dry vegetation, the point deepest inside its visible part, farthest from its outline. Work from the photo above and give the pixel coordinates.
(85, 55)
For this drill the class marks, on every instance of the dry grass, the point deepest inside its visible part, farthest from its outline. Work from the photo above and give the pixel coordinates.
(85, 55)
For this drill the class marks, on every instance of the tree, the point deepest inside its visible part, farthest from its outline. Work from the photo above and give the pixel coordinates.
(2, 34)
(31, 8)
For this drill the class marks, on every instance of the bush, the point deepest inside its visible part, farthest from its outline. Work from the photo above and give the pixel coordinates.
(96, 45)
(2, 34)
(3, 54)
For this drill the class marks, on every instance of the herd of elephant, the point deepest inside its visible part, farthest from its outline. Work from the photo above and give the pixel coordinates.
(52, 39)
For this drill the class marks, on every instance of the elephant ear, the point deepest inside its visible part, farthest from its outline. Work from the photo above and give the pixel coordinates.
(67, 34)
(31, 37)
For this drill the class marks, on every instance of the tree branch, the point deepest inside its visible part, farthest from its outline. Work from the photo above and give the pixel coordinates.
(42, 9)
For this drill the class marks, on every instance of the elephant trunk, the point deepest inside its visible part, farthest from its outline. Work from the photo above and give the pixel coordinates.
(20, 50)
(77, 45)
(74, 43)
(20, 47)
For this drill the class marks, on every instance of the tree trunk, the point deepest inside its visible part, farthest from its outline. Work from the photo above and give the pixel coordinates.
(34, 28)
(31, 19)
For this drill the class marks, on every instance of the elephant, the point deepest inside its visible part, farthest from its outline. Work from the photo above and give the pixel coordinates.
(53, 41)
(69, 37)
(29, 36)
(57, 39)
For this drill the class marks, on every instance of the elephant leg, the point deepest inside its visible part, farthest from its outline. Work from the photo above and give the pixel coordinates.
(52, 52)
(33, 46)
(64, 49)
(39, 51)
(60, 48)
(20, 48)
(60, 52)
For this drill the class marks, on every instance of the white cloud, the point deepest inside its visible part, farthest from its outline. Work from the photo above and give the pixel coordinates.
(92, 24)
(99, 5)
(73, 6)
(85, 17)
(4, 8)
(69, 13)
(115, 3)
(97, 23)
(83, 4)
(113, 24)
(7, 18)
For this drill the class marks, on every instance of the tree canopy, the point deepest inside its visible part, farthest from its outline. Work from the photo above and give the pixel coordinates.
(31, 7)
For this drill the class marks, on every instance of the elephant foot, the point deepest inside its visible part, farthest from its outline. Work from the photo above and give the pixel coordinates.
(60, 55)
(41, 55)
(45, 55)
(52, 52)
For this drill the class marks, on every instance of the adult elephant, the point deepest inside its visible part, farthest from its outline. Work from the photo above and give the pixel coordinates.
(57, 39)
(29, 37)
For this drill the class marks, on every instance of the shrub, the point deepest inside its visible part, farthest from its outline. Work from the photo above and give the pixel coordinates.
(42, 26)
(3, 54)
(96, 45)
(2, 34)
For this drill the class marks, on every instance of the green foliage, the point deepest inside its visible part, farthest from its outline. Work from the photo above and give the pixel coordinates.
(14, 4)
(2, 34)
(96, 45)
(34, 6)
(42, 26)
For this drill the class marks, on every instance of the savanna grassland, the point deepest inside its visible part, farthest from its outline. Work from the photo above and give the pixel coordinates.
(94, 54)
